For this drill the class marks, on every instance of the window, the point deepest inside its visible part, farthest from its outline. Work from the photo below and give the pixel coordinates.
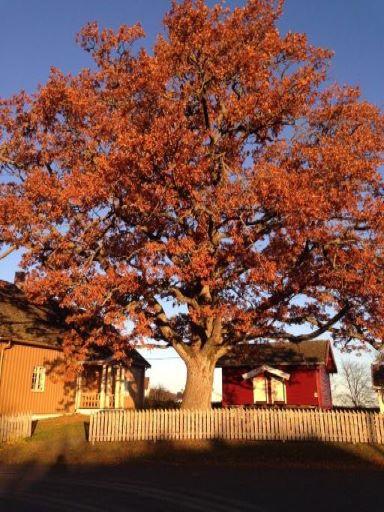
(38, 379)
(268, 389)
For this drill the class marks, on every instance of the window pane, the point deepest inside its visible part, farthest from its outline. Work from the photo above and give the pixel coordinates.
(277, 390)
(259, 389)
(38, 378)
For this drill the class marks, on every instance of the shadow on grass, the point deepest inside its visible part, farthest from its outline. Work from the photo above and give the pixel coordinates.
(86, 430)
(34, 425)
(266, 454)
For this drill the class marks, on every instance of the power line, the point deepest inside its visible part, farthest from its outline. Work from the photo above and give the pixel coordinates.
(162, 358)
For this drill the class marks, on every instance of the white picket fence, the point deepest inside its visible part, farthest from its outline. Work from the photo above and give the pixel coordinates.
(237, 423)
(15, 427)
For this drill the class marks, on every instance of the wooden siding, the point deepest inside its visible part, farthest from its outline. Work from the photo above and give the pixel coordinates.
(324, 387)
(134, 388)
(16, 394)
(302, 387)
(99, 381)
(239, 423)
(91, 379)
(236, 390)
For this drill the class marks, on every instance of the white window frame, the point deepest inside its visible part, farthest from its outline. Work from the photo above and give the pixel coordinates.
(269, 382)
(38, 379)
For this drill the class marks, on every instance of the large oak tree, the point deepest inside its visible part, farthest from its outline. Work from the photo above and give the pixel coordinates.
(220, 172)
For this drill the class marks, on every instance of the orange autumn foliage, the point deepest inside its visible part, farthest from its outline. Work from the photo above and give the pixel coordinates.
(220, 171)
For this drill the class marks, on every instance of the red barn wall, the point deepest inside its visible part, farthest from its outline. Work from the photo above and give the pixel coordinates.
(324, 386)
(305, 387)
(236, 390)
(302, 387)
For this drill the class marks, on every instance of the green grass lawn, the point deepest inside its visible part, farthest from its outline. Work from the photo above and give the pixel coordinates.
(63, 441)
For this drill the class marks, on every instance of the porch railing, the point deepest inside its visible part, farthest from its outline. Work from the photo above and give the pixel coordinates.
(94, 401)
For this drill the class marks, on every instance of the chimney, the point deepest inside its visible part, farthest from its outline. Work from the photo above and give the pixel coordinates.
(19, 278)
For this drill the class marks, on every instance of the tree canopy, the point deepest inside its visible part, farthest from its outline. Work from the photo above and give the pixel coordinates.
(220, 171)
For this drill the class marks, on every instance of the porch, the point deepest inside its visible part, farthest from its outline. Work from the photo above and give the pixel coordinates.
(102, 386)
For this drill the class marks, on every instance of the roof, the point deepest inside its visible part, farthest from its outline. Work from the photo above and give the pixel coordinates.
(378, 375)
(312, 352)
(105, 354)
(22, 321)
(138, 359)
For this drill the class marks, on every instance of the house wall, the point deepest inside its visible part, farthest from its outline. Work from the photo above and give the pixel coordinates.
(134, 387)
(16, 394)
(236, 390)
(91, 379)
(324, 387)
(302, 388)
(133, 394)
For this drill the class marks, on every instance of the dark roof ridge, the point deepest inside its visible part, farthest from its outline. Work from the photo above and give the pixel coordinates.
(279, 352)
(23, 321)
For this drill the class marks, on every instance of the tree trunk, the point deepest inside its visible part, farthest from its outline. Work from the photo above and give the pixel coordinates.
(198, 389)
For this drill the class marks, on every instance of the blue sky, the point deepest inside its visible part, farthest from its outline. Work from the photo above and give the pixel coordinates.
(37, 34)
(41, 33)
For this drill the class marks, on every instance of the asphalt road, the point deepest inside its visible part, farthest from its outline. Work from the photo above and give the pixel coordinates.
(166, 487)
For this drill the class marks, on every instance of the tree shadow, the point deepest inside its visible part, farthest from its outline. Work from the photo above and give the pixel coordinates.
(86, 430)
(56, 371)
(33, 427)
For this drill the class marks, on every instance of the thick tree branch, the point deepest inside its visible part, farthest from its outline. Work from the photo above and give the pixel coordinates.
(318, 332)
(8, 251)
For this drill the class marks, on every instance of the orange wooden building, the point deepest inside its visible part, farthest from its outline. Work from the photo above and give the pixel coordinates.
(31, 358)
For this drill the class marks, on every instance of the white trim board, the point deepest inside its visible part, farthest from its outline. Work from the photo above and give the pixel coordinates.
(266, 369)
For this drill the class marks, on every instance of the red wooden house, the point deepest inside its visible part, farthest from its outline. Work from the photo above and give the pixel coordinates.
(279, 374)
